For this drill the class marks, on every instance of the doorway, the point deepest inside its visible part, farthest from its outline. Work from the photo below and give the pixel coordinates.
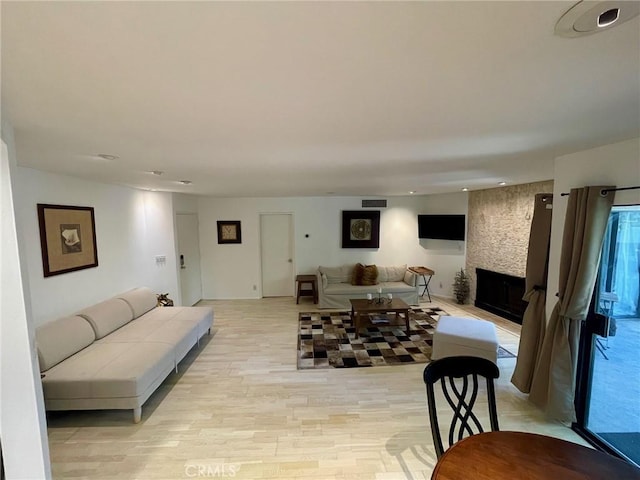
(608, 394)
(189, 258)
(276, 249)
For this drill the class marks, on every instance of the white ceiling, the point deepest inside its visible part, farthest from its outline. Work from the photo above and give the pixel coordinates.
(287, 99)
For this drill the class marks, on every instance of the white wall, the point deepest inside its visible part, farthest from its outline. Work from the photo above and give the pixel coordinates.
(231, 270)
(132, 228)
(616, 164)
(184, 203)
(23, 428)
(445, 257)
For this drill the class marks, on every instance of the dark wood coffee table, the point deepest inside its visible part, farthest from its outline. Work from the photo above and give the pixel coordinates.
(362, 308)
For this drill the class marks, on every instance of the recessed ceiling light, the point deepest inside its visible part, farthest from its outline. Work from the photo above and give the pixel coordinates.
(465, 189)
(156, 172)
(185, 182)
(412, 192)
(609, 17)
(585, 18)
(106, 156)
(502, 183)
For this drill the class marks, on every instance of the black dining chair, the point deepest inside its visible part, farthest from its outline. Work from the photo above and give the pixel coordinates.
(461, 395)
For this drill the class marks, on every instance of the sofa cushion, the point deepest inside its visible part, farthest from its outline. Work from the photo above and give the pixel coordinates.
(348, 289)
(395, 287)
(107, 316)
(141, 328)
(391, 274)
(109, 370)
(141, 300)
(153, 326)
(62, 338)
(177, 326)
(337, 274)
(201, 316)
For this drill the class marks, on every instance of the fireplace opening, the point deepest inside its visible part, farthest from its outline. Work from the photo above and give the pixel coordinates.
(501, 294)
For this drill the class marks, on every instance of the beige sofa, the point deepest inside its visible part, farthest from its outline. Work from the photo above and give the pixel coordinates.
(335, 288)
(113, 355)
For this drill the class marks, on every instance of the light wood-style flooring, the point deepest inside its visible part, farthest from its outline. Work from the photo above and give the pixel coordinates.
(239, 408)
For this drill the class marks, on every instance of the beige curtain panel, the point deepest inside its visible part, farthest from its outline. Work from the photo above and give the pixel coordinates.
(535, 318)
(554, 379)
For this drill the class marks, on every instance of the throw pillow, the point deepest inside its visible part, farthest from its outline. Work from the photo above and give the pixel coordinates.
(396, 273)
(370, 275)
(358, 272)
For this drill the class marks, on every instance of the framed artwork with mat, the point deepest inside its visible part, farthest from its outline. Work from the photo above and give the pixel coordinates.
(360, 229)
(229, 231)
(67, 238)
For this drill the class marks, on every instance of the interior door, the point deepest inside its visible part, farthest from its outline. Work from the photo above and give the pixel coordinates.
(276, 234)
(189, 256)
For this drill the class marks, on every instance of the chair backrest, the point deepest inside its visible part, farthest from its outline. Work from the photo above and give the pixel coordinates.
(460, 396)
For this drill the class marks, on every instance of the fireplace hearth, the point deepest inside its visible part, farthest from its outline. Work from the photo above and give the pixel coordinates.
(501, 294)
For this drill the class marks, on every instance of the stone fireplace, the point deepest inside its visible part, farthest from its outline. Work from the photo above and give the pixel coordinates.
(499, 224)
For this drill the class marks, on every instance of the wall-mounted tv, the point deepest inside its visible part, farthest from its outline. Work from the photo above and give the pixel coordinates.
(441, 227)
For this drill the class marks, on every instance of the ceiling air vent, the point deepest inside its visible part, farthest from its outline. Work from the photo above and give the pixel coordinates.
(374, 203)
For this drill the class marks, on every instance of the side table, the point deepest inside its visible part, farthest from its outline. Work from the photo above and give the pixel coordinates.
(426, 274)
(311, 290)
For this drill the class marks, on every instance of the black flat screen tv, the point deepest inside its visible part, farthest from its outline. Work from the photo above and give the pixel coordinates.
(441, 227)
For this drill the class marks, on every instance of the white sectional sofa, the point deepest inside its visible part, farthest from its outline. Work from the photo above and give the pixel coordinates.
(335, 288)
(113, 355)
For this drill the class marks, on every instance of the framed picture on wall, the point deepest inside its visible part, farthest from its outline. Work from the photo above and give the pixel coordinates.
(229, 231)
(67, 238)
(361, 229)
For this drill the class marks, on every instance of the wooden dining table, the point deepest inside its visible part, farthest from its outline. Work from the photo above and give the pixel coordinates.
(528, 456)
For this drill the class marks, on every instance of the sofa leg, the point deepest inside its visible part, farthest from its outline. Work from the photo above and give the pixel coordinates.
(137, 414)
(209, 332)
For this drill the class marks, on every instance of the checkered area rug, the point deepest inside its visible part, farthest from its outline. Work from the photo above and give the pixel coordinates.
(328, 340)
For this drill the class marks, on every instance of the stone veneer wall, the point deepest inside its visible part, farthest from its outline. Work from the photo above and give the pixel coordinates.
(499, 220)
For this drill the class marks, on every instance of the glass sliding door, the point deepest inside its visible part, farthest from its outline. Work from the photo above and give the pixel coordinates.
(608, 396)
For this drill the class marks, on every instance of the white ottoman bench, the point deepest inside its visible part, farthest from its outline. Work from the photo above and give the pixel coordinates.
(458, 336)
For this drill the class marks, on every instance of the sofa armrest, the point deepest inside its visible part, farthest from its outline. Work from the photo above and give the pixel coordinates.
(411, 278)
(321, 280)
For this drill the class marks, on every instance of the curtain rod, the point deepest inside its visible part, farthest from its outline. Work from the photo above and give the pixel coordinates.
(604, 191)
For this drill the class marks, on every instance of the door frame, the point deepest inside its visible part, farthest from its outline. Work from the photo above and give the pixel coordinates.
(589, 327)
(583, 382)
(292, 238)
(179, 267)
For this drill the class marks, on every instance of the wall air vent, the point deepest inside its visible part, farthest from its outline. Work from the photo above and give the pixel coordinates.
(374, 204)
